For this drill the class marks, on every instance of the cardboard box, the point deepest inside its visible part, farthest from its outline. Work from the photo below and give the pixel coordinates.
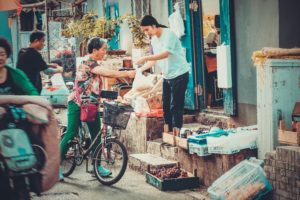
(169, 138)
(288, 136)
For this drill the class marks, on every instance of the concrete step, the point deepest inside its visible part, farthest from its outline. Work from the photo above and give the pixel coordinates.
(140, 162)
(157, 147)
(167, 151)
(213, 119)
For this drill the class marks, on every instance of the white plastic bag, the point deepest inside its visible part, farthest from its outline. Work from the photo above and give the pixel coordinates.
(141, 105)
(142, 82)
(176, 22)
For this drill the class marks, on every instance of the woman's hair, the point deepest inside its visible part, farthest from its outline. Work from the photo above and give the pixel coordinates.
(149, 20)
(36, 35)
(95, 43)
(6, 46)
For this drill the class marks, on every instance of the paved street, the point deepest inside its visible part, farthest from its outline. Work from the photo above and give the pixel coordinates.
(132, 186)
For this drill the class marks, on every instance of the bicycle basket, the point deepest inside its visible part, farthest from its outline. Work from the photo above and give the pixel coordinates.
(116, 115)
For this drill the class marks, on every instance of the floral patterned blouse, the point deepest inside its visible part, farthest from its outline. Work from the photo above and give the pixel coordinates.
(87, 84)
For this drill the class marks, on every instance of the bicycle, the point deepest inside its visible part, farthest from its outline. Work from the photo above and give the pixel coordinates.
(109, 152)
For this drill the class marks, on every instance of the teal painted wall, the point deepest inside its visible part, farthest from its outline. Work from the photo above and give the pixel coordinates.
(186, 42)
(5, 32)
(4, 29)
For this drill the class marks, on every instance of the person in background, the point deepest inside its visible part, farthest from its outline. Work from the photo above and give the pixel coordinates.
(12, 81)
(169, 55)
(31, 62)
(88, 83)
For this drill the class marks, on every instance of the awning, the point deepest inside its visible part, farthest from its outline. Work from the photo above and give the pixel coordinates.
(11, 5)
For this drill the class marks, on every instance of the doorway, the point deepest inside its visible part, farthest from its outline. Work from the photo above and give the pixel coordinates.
(211, 34)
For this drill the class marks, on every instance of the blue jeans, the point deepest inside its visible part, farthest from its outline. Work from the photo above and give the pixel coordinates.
(173, 100)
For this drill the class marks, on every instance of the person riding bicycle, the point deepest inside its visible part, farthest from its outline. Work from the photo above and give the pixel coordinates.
(88, 83)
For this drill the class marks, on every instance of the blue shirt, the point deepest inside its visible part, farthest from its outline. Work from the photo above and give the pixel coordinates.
(176, 64)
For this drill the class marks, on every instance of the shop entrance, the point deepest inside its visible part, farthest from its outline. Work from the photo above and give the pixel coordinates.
(211, 39)
(213, 25)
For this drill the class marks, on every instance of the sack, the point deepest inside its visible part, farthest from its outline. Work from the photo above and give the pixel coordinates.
(16, 150)
(141, 105)
(88, 112)
(46, 133)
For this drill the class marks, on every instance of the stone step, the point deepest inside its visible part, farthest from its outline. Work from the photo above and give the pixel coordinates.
(157, 147)
(140, 162)
(213, 119)
(167, 151)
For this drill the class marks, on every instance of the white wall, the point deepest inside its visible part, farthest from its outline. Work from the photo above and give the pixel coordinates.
(125, 34)
(211, 7)
(159, 9)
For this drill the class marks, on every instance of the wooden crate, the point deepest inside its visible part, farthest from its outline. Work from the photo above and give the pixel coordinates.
(172, 184)
(169, 138)
(288, 136)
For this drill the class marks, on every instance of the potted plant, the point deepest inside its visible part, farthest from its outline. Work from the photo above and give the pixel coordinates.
(140, 40)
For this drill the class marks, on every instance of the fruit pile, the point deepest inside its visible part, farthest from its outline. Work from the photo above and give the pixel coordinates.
(174, 172)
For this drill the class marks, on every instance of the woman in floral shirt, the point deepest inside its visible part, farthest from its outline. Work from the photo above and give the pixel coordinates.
(88, 83)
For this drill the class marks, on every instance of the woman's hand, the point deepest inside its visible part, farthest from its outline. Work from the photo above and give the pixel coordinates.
(131, 74)
(141, 60)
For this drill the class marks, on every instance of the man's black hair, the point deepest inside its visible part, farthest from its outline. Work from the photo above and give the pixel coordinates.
(95, 43)
(149, 20)
(37, 35)
(5, 44)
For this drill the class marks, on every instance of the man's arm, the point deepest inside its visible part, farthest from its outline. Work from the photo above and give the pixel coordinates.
(154, 57)
(148, 65)
(50, 70)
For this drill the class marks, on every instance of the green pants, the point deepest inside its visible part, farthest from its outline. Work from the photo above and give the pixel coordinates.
(73, 125)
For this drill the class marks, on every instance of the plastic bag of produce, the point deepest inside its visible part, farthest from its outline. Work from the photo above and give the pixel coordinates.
(140, 105)
(246, 180)
(142, 82)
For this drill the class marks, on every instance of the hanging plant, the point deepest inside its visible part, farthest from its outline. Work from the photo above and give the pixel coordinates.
(140, 40)
(90, 26)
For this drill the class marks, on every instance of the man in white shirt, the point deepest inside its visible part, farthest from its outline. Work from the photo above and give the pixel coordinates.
(169, 55)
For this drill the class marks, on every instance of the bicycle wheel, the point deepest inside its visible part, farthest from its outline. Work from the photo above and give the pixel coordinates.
(69, 163)
(112, 157)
